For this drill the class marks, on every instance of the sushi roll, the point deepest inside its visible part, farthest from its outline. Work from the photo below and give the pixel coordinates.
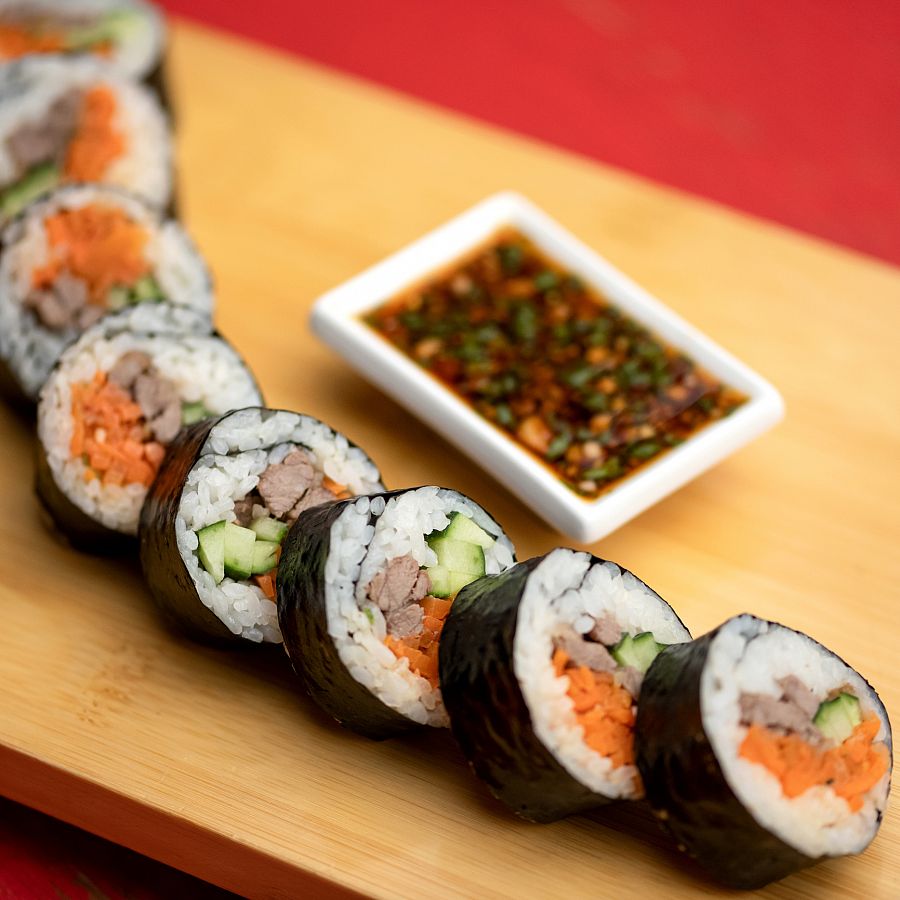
(76, 119)
(364, 587)
(762, 752)
(129, 34)
(541, 670)
(84, 251)
(117, 398)
(225, 497)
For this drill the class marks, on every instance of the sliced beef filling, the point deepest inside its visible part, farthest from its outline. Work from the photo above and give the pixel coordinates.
(397, 591)
(791, 713)
(592, 651)
(46, 140)
(293, 485)
(64, 305)
(414, 619)
(243, 509)
(584, 652)
(157, 397)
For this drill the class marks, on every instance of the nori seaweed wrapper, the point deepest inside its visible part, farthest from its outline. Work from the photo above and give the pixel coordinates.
(170, 583)
(488, 713)
(158, 82)
(302, 616)
(72, 524)
(685, 784)
(11, 391)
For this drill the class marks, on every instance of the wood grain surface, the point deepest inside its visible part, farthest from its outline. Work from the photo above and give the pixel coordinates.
(293, 179)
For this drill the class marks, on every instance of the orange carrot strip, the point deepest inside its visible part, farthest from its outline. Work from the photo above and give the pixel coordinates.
(851, 769)
(434, 606)
(98, 244)
(105, 423)
(97, 142)
(16, 41)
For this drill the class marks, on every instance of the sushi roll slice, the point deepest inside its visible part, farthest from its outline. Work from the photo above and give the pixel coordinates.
(541, 670)
(115, 401)
(762, 752)
(66, 120)
(226, 494)
(129, 34)
(364, 587)
(84, 251)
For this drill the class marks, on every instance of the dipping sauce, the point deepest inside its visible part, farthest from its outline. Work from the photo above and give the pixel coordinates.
(588, 390)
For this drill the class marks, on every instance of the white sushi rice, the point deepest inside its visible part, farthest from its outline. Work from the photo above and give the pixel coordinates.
(203, 368)
(30, 86)
(749, 655)
(566, 590)
(359, 550)
(238, 450)
(140, 44)
(27, 347)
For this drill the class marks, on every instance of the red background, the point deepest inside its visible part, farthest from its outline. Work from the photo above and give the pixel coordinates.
(788, 110)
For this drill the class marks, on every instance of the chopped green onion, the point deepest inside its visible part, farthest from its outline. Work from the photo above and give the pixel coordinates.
(546, 281)
(595, 402)
(644, 450)
(559, 445)
(610, 469)
(504, 415)
(580, 375)
(511, 257)
(525, 322)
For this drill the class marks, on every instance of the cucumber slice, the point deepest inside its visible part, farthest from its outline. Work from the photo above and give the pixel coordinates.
(238, 551)
(118, 297)
(191, 413)
(459, 556)
(36, 181)
(638, 651)
(462, 528)
(114, 27)
(447, 583)
(440, 581)
(211, 551)
(147, 288)
(265, 556)
(837, 718)
(268, 529)
(458, 580)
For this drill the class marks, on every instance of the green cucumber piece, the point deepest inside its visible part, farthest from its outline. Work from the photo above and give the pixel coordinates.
(459, 556)
(118, 297)
(462, 528)
(458, 580)
(113, 27)
(36, 181)
(191, 413)
(638, 651)
(447, 583)
(238, 551)
(837, 718)
(440, 581)
(146, 288)
(268, 529)
(265, 556)
(211, 550)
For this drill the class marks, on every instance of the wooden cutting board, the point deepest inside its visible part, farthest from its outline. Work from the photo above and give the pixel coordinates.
(293, 179)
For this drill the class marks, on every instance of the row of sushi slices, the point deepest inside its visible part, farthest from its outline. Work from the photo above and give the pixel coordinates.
(106, 306)
(86, 181)
(567, 682)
